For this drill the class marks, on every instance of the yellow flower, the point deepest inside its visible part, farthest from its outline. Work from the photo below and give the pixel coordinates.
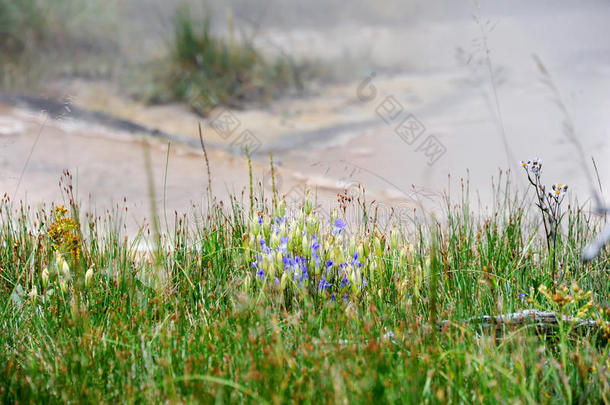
(63, 232)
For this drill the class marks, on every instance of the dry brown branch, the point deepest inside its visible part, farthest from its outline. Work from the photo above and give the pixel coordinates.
(542, 321)
(207, 162)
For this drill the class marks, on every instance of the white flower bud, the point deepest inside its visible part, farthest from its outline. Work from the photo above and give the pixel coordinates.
(62, 266)
(402, 258)
(394, 239)
(45, 277)
(305, 246)
(63, 285)
(355, 281)
(88, 276)
(247, 282)
(352, 246)
(350, 277)
(65, 270)
(58, 259)
(255, 226)
(377, 245)
(373, 270)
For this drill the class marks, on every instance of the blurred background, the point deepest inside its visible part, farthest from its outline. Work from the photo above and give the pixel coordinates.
(402, 98)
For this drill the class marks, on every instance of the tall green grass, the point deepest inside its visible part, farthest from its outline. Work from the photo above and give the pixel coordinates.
(206, 336)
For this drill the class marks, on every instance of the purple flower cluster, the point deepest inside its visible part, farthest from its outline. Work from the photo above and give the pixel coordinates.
(291, 255)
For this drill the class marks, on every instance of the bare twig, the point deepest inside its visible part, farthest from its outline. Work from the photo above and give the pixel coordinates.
(599, 181)
(27, 161)
(207, 162)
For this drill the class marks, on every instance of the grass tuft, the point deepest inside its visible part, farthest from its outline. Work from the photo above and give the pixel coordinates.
(206, 70)
(219, 332)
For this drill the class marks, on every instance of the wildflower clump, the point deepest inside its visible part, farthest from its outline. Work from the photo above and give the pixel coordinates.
(576, 302)
(569, 300)
(307, 254)
(64, 234)
(549, 204)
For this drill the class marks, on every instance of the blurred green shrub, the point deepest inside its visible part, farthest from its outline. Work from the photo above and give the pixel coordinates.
(22, 22)
(42, 38)
(205, 70)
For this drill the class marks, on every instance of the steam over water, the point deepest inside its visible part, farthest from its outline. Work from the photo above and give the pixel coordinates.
(415, 92)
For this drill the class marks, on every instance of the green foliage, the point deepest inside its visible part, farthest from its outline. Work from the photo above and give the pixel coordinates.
(206, 70)
(208, 336)
(22, 25)
(41, 38)
(21, 21)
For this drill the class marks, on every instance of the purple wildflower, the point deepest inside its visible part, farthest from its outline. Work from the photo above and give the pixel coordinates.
(338, 226)
(324, 284)
(264, 247)
(283, 244)
(314, 250)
